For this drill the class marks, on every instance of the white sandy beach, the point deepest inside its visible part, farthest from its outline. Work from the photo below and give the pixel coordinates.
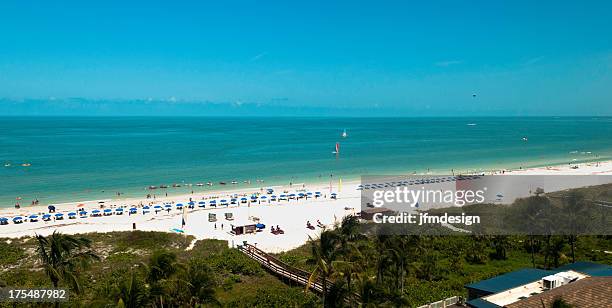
(291, 216)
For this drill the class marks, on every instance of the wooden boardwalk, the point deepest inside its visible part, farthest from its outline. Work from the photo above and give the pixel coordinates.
(282, 269)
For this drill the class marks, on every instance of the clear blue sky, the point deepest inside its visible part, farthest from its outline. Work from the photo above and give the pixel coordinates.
(404, 57)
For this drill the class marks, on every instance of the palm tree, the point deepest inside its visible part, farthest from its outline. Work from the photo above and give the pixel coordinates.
(324, 253)
(62, 256)
(160, 271)
(131, 293)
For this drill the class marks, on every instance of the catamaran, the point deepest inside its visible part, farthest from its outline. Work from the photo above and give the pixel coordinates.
(337, 151)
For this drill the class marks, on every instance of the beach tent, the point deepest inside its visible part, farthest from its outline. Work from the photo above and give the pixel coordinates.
(17, 219)
(46, 217)
(59, 216)
(72, 215)
(33, 218)
(3, 221)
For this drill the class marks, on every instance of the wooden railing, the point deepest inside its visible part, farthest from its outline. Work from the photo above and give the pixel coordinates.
(282, 269)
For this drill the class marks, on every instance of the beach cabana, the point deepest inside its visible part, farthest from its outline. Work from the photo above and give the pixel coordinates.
(119, 211)
(202, 204)
(17, 219)
(107, 212)
(244, 228)
(3, 221)
(59, 216)
(33, 218)
(72, 215)
(46, 217)
(95, 213)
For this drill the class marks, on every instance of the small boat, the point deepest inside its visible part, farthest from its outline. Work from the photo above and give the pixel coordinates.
(209, 183)
(163, 186)
(337, 151)
(344, 134)
(524, 139)
(26, 165)
(7, 165)
(222, 183)
(471, 124)
(234, 182)
(152, 187)
(200, 184)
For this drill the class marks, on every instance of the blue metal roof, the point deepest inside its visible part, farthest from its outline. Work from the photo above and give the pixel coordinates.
(589, 268)
(510, 280)
(481, 303)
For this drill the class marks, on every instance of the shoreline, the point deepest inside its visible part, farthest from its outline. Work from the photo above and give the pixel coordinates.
(291, 215)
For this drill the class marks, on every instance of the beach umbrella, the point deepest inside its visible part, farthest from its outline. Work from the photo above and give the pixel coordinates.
(260, 226)
(201, 204)
(119, 210)
(17, 219)
(95, 213)
(263, 197)
(179, 205)
(59, 216)
(301, 195)
(3, 220)
(83, 214)
(168, 206)
(157, 207)
(243, 199)
(146, 207)
(46, 217)
(72, 215)
(133, 210)
(33, 216)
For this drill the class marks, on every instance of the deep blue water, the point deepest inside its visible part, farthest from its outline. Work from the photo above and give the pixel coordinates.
(92, 158)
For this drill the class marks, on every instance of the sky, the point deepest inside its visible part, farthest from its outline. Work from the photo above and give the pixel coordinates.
(396, 58)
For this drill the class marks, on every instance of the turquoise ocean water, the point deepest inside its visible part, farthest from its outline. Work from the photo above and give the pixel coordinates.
(76, 159)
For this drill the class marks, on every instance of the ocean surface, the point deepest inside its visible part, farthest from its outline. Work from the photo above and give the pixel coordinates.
(76, 159)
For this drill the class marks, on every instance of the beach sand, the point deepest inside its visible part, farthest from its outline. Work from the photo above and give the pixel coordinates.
(291, 216)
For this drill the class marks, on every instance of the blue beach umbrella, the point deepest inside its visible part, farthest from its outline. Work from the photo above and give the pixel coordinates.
(263, 197)
(260, 226)
(18, 219)
(157, 207)
(133, 210)
(168, 206)
(59, 216)
(243, 199)
(46, 217)
(72, 215)
(201, 204)
(3, 220)
(119, 210)
(179, 205)
(83, 214)
(33, 217)
(146, 207)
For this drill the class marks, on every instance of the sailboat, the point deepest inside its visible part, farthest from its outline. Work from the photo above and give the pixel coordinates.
(337, 151)
(344, 134)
